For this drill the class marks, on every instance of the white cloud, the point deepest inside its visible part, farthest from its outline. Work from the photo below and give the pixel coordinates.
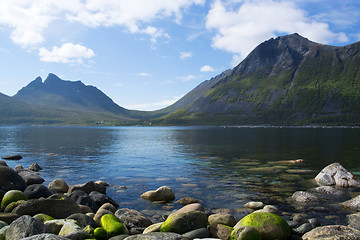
(167, 101)
(240, 25)
(28, 20)
(185, 55)
(207, 68)
(67, 53)
(143, 74)
(187, 78)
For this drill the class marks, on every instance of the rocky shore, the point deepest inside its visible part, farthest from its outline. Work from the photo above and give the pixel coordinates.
(31, 210)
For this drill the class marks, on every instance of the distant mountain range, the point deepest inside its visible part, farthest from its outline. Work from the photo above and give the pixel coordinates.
(284, 81)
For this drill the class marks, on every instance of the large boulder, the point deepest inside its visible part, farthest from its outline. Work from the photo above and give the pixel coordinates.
(132, 218)
(58, 186)
(55, 207)
(11, 180)
(269, 225)
(24, 226)
(189, 208)
(185, 222)
(31, 177)
(37, 191)
(332, 232)
(336, 174)
(162, 194)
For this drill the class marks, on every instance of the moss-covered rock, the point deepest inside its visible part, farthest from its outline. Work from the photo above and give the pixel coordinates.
(112, 225)
(12, 196)
(185, 222)
(100, 233)
(13, 205)
(42, 217)
(269, 225)
(245, 233)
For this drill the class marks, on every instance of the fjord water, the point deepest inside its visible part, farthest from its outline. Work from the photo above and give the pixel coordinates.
(224, 167)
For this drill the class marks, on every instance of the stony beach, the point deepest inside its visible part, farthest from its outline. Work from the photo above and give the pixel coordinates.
(32, 210)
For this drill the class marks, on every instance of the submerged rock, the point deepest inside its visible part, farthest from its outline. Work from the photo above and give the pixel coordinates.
(336, 174)
(12, 157)
(163, 194)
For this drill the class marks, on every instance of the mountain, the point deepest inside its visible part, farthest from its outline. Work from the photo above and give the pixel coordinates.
(284, 81)
(57, 93)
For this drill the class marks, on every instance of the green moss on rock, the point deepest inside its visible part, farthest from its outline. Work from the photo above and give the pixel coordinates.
(12, 196)
(269, 225)
(100, 233)
(112, 225)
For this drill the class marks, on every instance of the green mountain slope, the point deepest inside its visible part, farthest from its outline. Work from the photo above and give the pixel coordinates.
(284, 81)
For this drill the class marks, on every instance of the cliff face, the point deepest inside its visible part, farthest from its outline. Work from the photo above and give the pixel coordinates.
(287, 80)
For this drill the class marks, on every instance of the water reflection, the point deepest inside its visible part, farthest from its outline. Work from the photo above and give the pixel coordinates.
(224, 167)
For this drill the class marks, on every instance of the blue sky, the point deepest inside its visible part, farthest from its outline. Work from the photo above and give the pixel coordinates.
(146, 54)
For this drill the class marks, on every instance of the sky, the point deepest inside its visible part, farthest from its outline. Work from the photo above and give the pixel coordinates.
(147, 54)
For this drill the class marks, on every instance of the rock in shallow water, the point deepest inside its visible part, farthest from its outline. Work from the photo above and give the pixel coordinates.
(163, 194)
(336, 174)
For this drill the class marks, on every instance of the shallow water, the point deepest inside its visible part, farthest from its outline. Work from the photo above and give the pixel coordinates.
(224, 167)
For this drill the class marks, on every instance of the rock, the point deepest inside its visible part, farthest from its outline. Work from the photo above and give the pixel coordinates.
(37, 191)
(352, 204)
(34, 167)
(12, 196)
(254, 205)
(269, 225)
(11, 180)
(53, 207)
(189, 208)
(45, 236)
(100, 199)
(303, 228)
(100, 233)
(119, 237)
(99, 214)
(43, 217)
(332, 232)
(197, 233)
(157, 236)
(336, 174)
(19, 168)
(132, 218)
(185, 222)
(83, 220)
(73, 231)
(88, 187)
(222, 218)
(300, 218)
(220, 231)
(58, 186)
(31, 177)
(245, 233)
(81, 197)
(13, 205)
(162, 194)
(187, 200)
(24, 226)
(3, 224)
(354, 220)
(3, 231)
(112, 225)
(85, 209)
(54, 226)
(304, 197)
(3, 163)
(153, 228)
(109, 207)
(12, 157)
(269, 209)
(314, 222)
(8, 217)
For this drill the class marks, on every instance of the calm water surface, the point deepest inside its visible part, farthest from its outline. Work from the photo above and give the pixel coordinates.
(224, 167)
